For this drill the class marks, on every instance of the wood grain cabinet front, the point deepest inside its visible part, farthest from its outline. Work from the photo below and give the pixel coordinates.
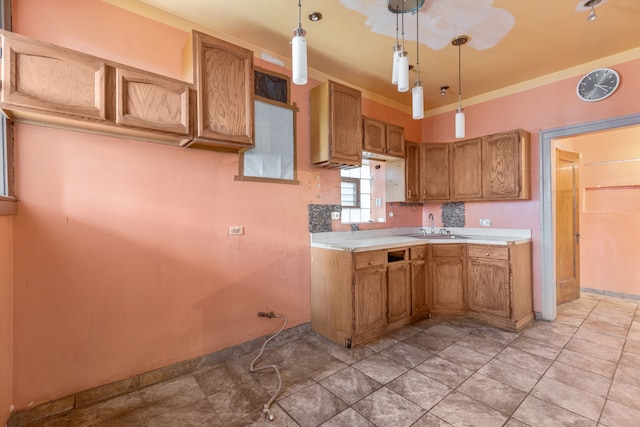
(420, 292)
(47, 84)
(224, 85)
(499, 285)
(434, 172)
(383, 138)
(336, 126)
(447, 268)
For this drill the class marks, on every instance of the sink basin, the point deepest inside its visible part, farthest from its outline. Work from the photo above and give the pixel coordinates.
(435, 236)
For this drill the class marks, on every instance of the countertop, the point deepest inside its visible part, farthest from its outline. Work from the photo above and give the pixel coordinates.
(367, 240)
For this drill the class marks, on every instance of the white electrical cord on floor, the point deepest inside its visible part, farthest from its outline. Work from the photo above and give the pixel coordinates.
(266, 408)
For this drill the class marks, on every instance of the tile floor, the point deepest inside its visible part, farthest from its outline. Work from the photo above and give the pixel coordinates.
(581, 370)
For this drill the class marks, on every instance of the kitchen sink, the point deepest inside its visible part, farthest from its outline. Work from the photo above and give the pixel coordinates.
(435, 236)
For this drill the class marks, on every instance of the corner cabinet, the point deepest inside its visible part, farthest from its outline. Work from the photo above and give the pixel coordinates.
(499, 285)
(58, 87)
(336, 126)
(224, 85)
(434, 172)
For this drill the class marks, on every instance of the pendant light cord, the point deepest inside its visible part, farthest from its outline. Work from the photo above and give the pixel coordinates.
(299, 15)
(417, 45)
(459, 78)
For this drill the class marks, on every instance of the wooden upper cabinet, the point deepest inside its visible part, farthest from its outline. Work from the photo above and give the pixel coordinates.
(336, 126)
(224, 83)
(412, 172)
(505, 166)
(148, 102)
(43, 83)
(466, 169)
(383, 138)
(43, 78)
(434, 172)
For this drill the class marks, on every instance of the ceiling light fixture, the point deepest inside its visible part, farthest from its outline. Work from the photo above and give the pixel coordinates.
(417, 93)
(396, 51)
(315, 16)
(592, 14)
(443, 90)
(299, 53)
(403, 65)
(460, 125)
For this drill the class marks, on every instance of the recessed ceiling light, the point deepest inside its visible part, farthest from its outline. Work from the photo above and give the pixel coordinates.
(315, 16)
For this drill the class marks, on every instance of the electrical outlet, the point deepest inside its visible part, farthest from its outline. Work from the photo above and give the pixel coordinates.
(485, 222)
(236, 230)
(335, 215)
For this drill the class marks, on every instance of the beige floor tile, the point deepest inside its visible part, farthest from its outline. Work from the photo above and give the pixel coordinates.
(585, 380)
(387, 408)
(538, 412)
(430, 420)
(628, 375)
(312, 406)
(522, 359)
(464, 356)
(381, 368)
(588, 363)
(568, 397)
(618, 415)
(509, 374)
(596, 350)
(458, 409)
(444, 372)
(348, 418)
(492, 393)
(625, 394)
(419, 389)
(538, 348)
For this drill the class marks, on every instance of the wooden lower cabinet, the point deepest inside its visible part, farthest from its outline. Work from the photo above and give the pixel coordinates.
(370, 300)
(499, 285)
(399, 293)
(357, 297)
(447, 270)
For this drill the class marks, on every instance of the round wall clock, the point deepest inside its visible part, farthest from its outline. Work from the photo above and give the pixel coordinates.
(598, 84)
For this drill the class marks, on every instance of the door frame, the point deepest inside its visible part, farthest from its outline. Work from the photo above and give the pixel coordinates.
(547, 246)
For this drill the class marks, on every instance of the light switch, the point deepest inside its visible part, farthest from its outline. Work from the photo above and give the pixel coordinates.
(236, 230)
(485, 222)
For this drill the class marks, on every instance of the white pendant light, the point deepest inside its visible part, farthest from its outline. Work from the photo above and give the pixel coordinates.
(299, 53)
(417, 93)
(403, 66)
(460, 121)
(396, 50)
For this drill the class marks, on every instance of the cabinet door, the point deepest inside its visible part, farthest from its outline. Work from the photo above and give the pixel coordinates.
(43, 78)
(419, 288)
(370, 300)
(504, 173)
(412, 172)
(346, 124)
(489, 290)
(399, 292)
(466, 169)
(375, 136)
(434, 171)
(395, 141)
(147, 101)
(448, 278)
(224, 81)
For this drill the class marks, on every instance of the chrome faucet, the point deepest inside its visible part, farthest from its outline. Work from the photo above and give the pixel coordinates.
(433, 229)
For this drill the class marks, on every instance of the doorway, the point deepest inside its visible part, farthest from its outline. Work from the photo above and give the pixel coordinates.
(547, 247)
(567, 234)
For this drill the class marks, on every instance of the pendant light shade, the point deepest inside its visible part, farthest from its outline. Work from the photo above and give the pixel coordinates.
(403, 72)
(299, 53)
(396, 57)
(460, 124)
(417, 102)
(417, 93)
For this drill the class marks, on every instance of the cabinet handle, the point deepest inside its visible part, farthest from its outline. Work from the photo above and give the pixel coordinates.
(371, 262)
(409, 194)
(486, 254)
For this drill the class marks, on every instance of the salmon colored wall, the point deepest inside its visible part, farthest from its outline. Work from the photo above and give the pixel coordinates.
(122, 258)
(547, 107)
(6, 320)
(610, 210)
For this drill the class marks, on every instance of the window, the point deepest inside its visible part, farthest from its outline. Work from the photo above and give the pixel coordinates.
(6, 163)
(356, 194)
(273, 159)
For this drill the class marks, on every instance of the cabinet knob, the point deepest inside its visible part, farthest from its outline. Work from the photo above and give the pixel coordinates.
(486, 254)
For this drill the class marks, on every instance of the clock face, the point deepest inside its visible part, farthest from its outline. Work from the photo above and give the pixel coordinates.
(598, 84)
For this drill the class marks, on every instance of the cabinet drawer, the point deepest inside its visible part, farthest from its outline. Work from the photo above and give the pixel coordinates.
(489, 252)
(369, 259)
(447, 250)
(419, 252)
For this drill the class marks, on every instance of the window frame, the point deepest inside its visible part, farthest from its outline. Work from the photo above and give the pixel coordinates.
(356, 182)
(6, 131)
(294, 108)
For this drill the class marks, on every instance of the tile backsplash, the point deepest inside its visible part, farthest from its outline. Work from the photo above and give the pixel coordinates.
(320, 217)
(453, 214)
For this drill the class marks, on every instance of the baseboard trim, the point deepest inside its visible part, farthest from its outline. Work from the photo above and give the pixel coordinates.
(107, 391)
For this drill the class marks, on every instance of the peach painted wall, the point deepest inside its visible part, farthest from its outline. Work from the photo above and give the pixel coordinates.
(6, 320)
(610, 210)
(122, 258)
(547, 107)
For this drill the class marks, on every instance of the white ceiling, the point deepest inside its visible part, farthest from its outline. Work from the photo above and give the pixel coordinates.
(512, 41)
